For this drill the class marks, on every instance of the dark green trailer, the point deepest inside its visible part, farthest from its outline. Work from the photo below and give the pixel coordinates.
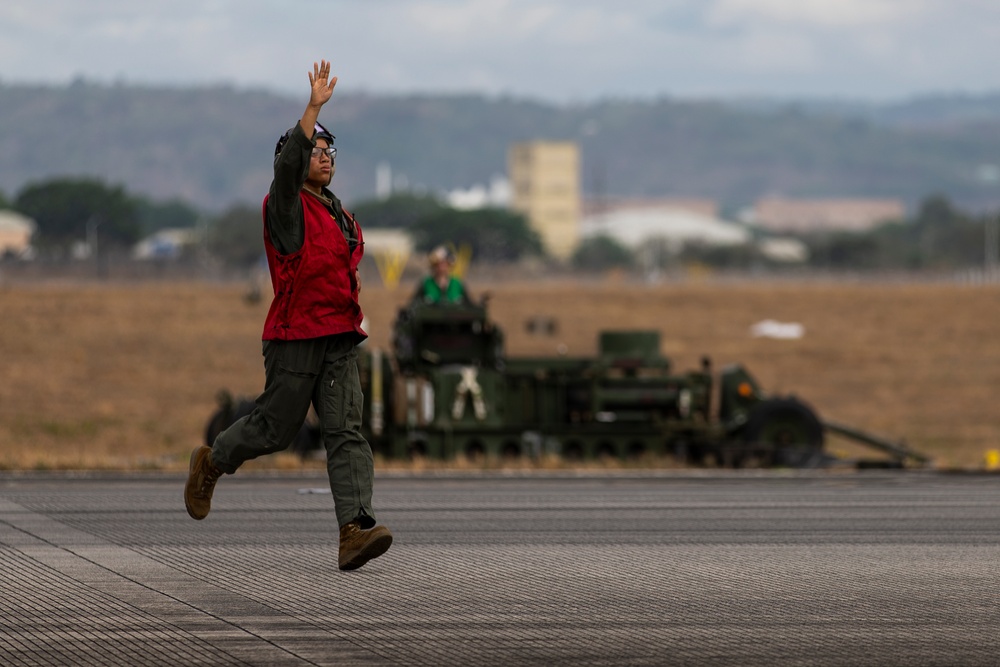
(447, 389)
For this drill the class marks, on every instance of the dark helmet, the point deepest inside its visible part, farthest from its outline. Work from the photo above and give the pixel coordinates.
(319, 132)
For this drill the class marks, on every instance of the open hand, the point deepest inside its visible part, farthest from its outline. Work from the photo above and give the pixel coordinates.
(322, 84)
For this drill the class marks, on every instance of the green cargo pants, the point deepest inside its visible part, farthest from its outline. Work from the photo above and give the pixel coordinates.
(323, 372)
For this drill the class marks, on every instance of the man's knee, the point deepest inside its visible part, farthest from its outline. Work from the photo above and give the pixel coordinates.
(277, 434)
(346, 442)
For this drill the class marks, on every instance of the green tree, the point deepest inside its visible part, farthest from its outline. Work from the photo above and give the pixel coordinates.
(398, 211)
(936, 211)
(601, 253)
(68, 210)
(493, 234)
(938, 237)
(174, 213)
(947, 237)
(849, 250)
(4, 202)
(236, 236)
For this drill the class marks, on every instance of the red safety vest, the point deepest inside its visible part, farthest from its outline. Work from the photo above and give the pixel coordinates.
(315, 290)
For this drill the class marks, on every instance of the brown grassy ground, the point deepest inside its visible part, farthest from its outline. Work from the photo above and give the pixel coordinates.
(113, 376)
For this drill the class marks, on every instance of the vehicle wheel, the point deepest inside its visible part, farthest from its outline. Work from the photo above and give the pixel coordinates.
(573, 451)
(417, 450)
(786, 431)
(510, 450)
(474, 451)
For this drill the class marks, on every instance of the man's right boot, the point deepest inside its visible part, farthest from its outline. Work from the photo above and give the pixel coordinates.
(202, 477)
(358, 546)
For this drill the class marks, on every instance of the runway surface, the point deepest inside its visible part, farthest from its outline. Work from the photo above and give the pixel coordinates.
(671, 568)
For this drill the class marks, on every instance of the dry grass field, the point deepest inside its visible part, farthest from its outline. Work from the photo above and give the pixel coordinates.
(113, 376)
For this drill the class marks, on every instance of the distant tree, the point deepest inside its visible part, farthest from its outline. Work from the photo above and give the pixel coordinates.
(851, 251)
(400, 211)
(236, 236)
(493, 234)
(4, 202)
(937, 211)
(938, 237)
(945, 237)
(601, 253)
(66, 209)
(174, 213)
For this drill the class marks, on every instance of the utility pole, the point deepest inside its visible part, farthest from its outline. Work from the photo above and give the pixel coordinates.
(992, 250)
(92, 224)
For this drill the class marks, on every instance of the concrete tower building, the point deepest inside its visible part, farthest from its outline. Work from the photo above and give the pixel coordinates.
(545, 187)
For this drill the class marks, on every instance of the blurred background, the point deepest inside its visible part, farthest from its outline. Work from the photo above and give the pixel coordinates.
(763, 135)
(714, 153)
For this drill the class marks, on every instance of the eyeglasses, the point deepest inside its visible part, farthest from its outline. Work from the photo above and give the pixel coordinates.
(330, 152)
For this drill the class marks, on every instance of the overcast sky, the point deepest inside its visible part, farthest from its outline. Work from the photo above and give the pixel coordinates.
(554, 50)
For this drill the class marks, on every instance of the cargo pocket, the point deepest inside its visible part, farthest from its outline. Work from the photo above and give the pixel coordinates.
(342, 393)
(291, 369)
(298, 358)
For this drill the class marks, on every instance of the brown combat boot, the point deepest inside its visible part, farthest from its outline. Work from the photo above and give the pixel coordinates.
(201, 482)
(357, 546)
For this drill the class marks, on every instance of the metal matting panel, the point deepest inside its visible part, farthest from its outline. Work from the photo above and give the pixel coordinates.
(732, 570)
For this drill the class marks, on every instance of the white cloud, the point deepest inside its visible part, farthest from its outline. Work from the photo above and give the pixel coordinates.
(554, 49)
(498, 19)
(816, 13)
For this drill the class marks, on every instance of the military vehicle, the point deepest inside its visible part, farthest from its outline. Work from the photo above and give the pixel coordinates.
(447, 388)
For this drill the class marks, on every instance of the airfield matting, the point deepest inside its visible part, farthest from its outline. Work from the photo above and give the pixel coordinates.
(670, 568)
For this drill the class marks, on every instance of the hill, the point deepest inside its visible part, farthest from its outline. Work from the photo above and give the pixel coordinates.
(211, 146)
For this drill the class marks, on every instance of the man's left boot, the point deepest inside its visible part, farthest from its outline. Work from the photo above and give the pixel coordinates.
(358, 546)
(202, 476)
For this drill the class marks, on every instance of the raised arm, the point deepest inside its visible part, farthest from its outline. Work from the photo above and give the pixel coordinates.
(284, 208)
(322, 89)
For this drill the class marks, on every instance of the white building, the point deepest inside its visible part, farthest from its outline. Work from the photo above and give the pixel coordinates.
(676, 227)
(165, 244)
(16, 231)
(779, 214)
(496, 195)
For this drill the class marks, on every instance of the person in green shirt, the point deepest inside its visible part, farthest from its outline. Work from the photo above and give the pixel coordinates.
(441, 286)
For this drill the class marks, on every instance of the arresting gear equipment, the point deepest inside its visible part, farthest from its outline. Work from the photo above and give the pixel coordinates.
(468, 385)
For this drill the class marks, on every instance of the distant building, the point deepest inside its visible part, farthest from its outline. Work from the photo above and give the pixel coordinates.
(497, 195)
(819, 215)
(785, 250)
(545, 186)
(165, 244)
(595, 206)
(16, 231)
(676, 227)
(646, 228)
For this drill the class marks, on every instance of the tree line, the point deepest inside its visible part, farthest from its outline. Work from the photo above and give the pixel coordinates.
(71, 211)
(68, 211)
(938, 237)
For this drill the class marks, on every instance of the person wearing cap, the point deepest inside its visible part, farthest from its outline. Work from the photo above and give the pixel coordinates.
(313, 247)
(441, 286)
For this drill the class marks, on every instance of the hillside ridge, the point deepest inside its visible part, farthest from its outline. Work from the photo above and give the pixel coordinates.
(211, 146)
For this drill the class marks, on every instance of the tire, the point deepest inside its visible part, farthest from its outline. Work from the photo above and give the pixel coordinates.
(786, 432)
